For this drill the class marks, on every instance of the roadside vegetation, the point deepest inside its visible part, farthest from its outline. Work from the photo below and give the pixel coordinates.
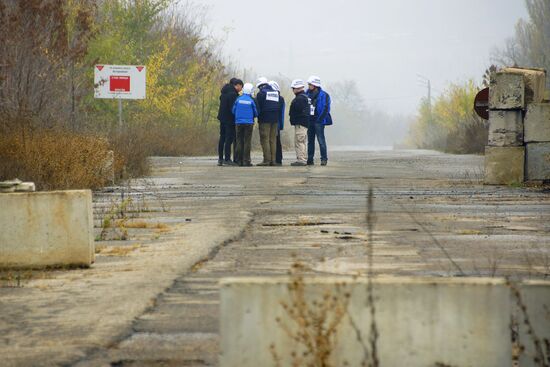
(53, 131)
(447, 123)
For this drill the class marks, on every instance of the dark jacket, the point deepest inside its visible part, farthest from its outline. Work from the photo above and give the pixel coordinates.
(321, 103)
(300, 109)
(282, 107)
(227, 100)
(268, 104)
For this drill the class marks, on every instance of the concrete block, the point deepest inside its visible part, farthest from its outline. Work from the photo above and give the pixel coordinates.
(537, 123)
(421, 321)
(535, 83)
(46, 229)
(504, 165)
(505, 128)
(538, 161)
(507, 91)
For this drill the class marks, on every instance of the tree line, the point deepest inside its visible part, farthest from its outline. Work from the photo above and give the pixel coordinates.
(49, 49)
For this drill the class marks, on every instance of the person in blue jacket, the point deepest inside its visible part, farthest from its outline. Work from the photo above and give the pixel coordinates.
(245, 111)
(281, 124)
(267, 101)
(319, 118)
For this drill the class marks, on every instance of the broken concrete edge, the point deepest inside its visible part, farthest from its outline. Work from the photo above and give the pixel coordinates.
(53, 267)
(343, 280)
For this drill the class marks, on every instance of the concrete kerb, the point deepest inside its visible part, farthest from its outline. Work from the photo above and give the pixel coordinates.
(424, 321)
(43, 229)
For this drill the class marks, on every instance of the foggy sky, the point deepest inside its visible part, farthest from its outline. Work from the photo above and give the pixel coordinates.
(382, 44)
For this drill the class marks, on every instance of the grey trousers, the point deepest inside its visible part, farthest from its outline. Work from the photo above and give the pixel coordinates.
(268, 139)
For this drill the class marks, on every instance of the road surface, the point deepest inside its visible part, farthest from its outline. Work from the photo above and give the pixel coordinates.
(152, 296)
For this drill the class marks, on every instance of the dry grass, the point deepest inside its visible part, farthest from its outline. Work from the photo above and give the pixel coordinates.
(54, 159)
(117, 250)
(312, 323)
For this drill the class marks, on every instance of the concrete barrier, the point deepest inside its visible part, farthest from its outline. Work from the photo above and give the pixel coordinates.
(537, 123)
(538, 161)
(535, 83)
(504, 165)
(46, 229)
(507, 91)
(505, 128)
(421, 322)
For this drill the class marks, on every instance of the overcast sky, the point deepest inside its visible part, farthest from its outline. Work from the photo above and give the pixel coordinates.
(382, 44)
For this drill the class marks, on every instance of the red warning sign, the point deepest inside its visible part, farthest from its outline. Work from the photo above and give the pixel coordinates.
(119, 83)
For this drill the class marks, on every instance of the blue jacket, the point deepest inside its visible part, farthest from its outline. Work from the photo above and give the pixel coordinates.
(245, 110)
(268, 102)
(320, 101)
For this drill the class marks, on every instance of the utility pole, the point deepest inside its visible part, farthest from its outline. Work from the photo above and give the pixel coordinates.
(426, 82)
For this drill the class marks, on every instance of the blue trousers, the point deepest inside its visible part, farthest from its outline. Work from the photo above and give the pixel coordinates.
(316, 130)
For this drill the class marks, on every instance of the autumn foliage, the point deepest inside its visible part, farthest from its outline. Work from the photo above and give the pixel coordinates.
(49, 49)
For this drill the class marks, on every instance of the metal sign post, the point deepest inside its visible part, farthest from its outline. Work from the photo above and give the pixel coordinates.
(120, 113)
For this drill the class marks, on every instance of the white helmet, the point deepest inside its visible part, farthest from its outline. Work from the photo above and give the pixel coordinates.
(248, 88)
(297, 84)
(275, 85)
(314, 80)
(261, 80)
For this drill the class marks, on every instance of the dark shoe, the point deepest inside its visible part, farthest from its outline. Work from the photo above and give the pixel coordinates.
(310, 163)
(220, 162)
(247, 164)
(263, 164)
(278, 164)
(298, 164)
(324, 163)
(229, 163)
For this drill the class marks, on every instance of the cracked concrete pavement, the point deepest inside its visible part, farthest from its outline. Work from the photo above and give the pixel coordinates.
(152, 299)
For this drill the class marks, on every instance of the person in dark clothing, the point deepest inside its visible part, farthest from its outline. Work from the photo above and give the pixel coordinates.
(319, 118)
(228, 96)
(268, 109)
(280, 123)
(299, 112)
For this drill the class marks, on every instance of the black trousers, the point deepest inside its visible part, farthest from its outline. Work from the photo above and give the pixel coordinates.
(227, 138)
(279, 150)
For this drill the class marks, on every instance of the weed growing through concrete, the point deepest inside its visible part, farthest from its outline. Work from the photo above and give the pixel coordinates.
(541, 346)
(117, 210)
(312, 324)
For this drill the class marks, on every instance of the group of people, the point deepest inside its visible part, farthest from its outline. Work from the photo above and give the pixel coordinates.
(309, 113)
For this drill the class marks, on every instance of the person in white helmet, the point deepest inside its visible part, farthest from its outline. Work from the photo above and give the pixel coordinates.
(299, 118)
(268, 103)
(280, 123)
(319, 118)
(245, 111)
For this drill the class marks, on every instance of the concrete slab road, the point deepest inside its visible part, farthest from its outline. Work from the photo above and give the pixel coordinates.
(152, 296)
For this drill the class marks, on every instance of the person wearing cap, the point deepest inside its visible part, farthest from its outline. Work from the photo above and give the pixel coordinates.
(245, 111)
(268, 104)
(228, 96)
(299, 118)
(319, 118)
(280, 124)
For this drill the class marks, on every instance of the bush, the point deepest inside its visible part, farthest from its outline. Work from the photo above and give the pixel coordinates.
(451, 125)
(54, 159)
